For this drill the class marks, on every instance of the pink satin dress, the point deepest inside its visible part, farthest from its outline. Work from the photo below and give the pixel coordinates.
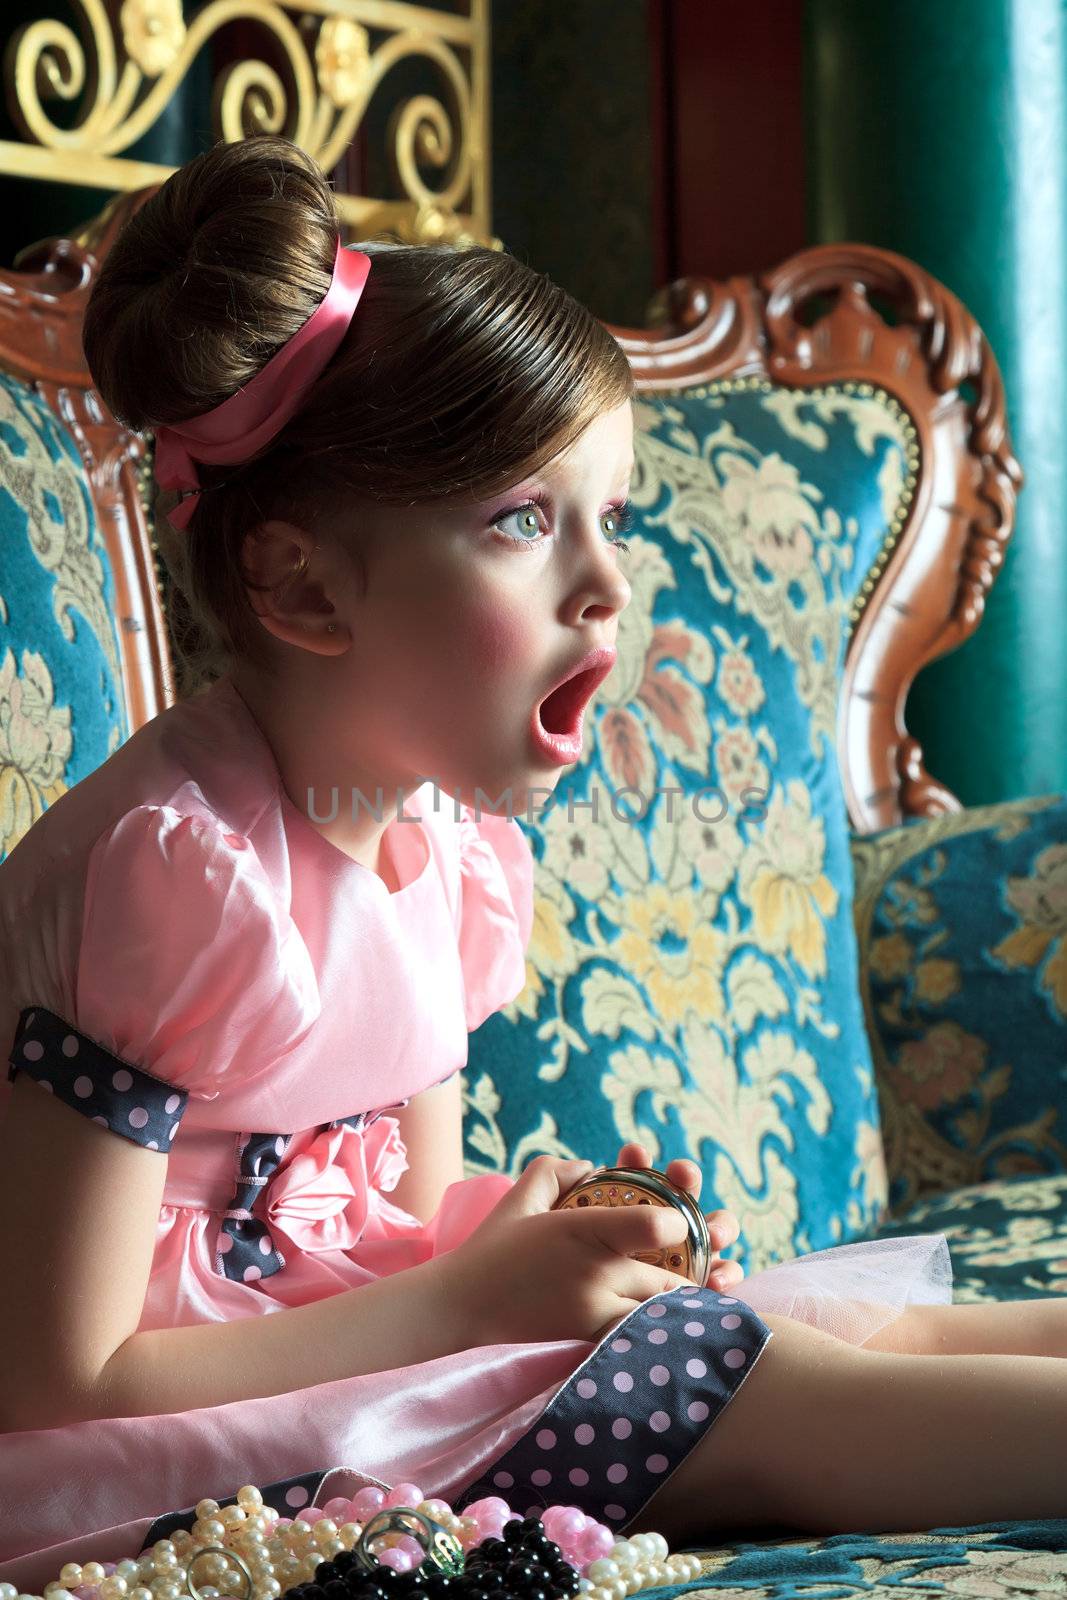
(187, 960)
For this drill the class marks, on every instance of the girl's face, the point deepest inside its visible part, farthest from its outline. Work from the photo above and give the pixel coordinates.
(470, 616)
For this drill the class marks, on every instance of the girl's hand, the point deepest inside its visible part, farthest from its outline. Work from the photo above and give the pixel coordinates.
(529, 1272)
(723, 1226)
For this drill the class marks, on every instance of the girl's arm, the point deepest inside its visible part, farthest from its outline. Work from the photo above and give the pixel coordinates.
(80, 1207)
(431, 1126)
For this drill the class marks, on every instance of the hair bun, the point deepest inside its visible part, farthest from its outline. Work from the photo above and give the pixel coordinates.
(208, 279)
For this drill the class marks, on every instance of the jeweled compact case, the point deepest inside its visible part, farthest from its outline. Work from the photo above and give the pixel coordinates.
(644, 1186)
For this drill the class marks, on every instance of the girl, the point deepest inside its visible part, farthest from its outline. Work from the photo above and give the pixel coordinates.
(396, 478)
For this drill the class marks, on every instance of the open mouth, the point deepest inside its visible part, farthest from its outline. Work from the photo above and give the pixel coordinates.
(556, 721)
(561, 711)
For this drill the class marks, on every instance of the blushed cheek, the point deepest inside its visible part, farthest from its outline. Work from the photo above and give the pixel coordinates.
(498, 640)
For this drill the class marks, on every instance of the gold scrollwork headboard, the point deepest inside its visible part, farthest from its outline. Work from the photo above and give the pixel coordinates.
(133, 54)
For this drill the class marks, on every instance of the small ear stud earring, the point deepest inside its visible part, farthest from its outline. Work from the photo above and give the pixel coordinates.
(331, 627)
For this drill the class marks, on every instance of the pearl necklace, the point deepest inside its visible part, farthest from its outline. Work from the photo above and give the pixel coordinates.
(239, 1551)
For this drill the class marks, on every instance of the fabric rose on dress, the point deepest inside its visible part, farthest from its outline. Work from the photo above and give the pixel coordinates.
(386, 1153)
(323, 1199)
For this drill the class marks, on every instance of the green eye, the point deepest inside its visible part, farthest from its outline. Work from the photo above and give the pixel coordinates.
(622, 517)
(528, 522)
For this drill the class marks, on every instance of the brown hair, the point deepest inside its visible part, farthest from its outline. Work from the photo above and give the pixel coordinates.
(463, 370)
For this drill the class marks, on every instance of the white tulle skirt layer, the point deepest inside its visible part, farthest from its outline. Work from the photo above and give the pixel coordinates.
(853, 1290)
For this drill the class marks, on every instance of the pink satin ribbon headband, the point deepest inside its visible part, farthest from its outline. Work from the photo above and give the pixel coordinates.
(235, 430)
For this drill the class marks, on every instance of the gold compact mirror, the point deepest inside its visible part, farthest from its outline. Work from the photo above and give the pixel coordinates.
(644, 1186)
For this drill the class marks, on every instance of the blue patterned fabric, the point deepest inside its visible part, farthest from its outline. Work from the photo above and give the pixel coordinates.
(1007, 1237)
(692, 974)
(62, 706)
(962, 924)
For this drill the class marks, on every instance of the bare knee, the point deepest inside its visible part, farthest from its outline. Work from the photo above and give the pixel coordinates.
(740, 1474)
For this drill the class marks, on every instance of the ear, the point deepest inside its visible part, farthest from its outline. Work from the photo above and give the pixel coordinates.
(288, 575)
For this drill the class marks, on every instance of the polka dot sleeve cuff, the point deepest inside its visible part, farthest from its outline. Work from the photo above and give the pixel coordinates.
(96, 1083)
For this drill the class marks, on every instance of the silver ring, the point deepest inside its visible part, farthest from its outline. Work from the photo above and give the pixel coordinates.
(442, 1550)
(217, 1550)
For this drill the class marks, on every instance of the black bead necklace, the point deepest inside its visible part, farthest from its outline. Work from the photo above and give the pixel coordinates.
(524, 1565)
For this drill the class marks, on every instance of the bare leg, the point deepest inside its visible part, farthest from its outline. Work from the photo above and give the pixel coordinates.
(827, 1437)
(1010, 1327)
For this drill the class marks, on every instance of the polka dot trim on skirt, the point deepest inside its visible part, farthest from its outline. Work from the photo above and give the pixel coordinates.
(616, 1430)
(631, 1413)
(100, 1085)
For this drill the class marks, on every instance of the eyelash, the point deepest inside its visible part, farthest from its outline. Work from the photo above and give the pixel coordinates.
(622, 511)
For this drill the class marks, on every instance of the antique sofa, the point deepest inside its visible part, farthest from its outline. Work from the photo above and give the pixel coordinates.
(810, 970)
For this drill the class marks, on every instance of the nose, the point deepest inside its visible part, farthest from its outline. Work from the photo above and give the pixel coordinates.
(599, 590)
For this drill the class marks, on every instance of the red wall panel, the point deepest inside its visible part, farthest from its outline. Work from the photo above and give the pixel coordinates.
(727, 122)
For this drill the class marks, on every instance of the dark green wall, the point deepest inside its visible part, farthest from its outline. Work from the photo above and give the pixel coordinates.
(572, 180)
(938, 128)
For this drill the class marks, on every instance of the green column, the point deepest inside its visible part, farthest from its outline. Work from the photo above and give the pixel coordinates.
(938, 128)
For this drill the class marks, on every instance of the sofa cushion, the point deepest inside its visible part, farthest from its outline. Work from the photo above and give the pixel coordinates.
(692, 978)
(1007, 1237)
(962, 925)
(62, 706)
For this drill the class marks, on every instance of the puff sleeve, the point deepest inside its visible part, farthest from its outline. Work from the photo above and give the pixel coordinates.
(496, 882)
(191, 978)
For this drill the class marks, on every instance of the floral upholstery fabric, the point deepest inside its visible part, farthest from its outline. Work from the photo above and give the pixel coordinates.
(966, 992)
(997, 1561)
(62, 706)
(692, 977)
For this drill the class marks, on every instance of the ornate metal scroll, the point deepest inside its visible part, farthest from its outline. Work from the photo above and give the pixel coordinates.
(322, 62)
